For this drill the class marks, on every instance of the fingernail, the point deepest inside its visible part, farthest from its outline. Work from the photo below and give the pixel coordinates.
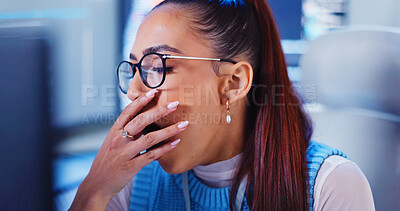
(174, 143)
(173, 105)
(183, 124)
(151, 93)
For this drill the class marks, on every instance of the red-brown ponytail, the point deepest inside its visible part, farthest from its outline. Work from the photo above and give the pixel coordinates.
(276, 149)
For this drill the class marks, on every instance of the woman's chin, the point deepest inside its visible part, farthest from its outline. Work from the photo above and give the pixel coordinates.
(171, 165)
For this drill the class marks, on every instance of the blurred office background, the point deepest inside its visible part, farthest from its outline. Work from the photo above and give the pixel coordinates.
(59, 96)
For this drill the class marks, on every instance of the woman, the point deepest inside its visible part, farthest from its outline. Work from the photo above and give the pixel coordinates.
(233, 135)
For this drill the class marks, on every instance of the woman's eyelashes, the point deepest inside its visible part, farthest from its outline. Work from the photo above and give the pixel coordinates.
(160, 69)
(169, 69)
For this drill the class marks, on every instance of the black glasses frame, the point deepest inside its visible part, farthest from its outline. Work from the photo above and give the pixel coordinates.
(164, 58)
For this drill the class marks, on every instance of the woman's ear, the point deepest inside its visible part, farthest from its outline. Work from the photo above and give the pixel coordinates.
(236, 81)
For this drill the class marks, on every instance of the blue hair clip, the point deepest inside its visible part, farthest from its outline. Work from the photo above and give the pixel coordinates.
(235, 3)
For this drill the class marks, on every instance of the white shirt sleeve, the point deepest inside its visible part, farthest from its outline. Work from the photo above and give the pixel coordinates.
(121, 201)
(341, 185)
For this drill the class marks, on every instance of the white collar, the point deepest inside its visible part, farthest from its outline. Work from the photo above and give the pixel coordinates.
(219, 174)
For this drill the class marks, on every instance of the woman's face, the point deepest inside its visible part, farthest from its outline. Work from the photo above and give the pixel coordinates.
(191, 82)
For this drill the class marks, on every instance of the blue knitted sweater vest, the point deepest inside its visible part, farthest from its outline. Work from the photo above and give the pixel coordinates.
(154, 189)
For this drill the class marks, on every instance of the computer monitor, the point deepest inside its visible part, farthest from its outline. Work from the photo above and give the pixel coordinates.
(25, 148)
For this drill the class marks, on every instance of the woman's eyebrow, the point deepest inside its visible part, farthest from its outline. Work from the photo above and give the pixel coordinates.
(156, 49)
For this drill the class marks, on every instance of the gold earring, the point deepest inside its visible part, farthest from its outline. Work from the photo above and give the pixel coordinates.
(228, 113)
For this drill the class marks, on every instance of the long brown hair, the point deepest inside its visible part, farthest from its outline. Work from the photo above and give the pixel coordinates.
(278, 130)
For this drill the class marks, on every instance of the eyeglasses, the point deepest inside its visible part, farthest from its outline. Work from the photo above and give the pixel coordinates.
(152, 69)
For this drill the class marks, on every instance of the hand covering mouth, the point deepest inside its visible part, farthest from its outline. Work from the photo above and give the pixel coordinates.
(150, 128)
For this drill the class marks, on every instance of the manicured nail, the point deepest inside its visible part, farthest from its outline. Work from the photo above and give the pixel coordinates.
(174, 143)
(183, 124)
(173, 105)
(151, 93)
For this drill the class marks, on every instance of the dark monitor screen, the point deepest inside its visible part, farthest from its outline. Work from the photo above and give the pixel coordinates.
(25, 156)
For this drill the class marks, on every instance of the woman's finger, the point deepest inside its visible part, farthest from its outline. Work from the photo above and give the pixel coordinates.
(133, 108)
(143, 143)
(138, 123)
(148, 157)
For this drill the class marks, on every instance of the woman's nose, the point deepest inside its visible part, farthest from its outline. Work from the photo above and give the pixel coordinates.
(136, 88)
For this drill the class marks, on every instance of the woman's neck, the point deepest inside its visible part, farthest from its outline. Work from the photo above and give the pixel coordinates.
(229, 139)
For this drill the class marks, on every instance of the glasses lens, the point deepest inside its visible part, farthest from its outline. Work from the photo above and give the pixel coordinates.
(125, 76)
(152, 70)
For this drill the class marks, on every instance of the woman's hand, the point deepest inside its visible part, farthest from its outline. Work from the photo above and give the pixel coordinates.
(119, 159)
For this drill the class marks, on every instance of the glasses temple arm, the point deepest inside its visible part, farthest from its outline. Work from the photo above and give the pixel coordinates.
(166, 56)
(198, 58)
